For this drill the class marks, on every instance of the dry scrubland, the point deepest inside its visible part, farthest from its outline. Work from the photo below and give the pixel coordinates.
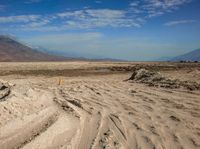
(83, 105)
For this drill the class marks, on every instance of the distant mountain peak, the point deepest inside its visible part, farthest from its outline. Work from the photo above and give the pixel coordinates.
(190, 56)
(13, 50)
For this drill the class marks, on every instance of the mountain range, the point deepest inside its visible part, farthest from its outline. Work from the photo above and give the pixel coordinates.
(12, 50)
(190, 56)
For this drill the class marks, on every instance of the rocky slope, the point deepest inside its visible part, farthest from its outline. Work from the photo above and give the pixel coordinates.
(12, 50)
(191, 56)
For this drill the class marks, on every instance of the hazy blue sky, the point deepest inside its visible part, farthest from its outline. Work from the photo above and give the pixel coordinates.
(123, 29)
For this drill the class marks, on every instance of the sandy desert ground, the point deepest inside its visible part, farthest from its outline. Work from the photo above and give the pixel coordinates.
(88, 105)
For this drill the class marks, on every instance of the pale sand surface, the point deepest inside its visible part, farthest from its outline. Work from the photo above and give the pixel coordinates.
(97, 112)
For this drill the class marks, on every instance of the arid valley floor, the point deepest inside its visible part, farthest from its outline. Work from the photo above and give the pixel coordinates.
(92, 105)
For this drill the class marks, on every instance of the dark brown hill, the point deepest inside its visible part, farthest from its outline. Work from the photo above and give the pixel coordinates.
(12, 50)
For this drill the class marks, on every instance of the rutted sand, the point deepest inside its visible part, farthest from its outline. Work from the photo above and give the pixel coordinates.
(97, 112)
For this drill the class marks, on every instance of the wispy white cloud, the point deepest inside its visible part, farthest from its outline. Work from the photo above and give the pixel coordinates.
(135, 3)
(20, 18)
(98, 1)
(80, 19)
(93, 13)
(177, 22)
(92, 18)
(41, 21)
(152, 8)
(138, 12)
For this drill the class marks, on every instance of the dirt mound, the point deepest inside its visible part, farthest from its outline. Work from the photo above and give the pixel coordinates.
(4, 90)
(152, 78)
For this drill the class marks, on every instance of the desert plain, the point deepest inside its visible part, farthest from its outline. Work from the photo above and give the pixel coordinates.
(93, 105)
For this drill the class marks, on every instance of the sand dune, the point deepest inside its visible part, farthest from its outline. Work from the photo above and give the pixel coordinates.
(97, 111)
